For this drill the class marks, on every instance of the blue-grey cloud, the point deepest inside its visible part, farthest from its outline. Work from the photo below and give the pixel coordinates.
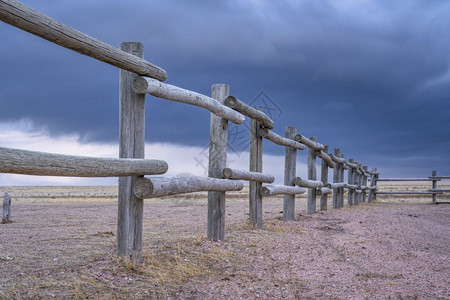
(369, 77)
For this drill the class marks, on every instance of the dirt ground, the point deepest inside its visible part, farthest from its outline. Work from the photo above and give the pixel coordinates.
(61, 245)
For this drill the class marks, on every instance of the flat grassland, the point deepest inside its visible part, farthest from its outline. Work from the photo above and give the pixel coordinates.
(61, 244)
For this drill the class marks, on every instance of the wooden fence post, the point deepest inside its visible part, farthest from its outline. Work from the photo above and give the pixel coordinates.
(255, 166)
(218, 138)
(132, 145)
(324, 178)
(289, 175)
(358, 182)
(373, 183)
(350, 179)
(336, 177)
(6, 209)
(312, 175)
(364, 193)
(341, 179)
(434, 185)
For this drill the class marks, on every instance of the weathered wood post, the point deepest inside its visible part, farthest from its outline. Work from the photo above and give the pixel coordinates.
(218, 138)
(350, 180)
(324, 178)
(132, 145)
(364, 183)
(434, 185)
(255, 166)
(341, 179)
(290, 161)
(373, 183)
(358, 182)
(312, 175)
(336, 177)
(6, 209)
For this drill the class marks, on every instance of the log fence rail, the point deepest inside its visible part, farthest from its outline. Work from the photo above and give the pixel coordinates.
(139, 77)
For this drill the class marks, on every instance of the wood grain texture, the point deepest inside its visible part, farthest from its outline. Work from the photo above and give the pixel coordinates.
(218, 138)
(279, 140)
(249, 111)
(308, 142)
(30, 20)
(273, 190)
(351, 180)
(325, 191)
(26, 162)
(153, 187)
(324, 178)
(173, 93)
(373, 185)
(336, 185)
(255, 198)
(364, 185)
(358, 181)
(290, 167)
(247, 175)
(131, 145)
(6, 216)
(341, 179)
(336, 177)
(312, 176)
(307, 183)
(325, 157)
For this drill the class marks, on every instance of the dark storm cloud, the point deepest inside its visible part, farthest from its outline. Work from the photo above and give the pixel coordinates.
(370, 77)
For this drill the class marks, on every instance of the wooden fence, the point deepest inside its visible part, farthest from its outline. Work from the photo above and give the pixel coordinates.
(139, 77)
(434, 191)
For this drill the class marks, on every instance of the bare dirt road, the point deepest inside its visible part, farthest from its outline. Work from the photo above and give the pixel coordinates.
(66, 249)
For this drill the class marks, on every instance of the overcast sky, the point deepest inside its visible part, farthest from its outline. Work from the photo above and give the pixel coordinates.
(369, 77)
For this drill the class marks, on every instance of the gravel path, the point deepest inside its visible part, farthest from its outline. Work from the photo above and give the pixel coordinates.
(376, 251)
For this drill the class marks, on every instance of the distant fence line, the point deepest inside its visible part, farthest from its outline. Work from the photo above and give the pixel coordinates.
(434, 191)
(137, 77)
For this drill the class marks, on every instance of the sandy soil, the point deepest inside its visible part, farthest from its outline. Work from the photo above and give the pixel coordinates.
(63, 247)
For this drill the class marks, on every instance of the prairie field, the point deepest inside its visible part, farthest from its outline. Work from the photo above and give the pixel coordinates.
(61, 245)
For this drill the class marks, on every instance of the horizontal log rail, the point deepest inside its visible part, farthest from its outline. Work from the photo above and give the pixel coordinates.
(439, 190)
(338, 160)
(249, 111)
(372, 173)
(352, 186)
(350, 164)
(26, 162)
(407, 193)
(326, 190)
(307, 142)
(30, 20)
(407, 179)
(336, 185)
(279, 140)
(229, 173)
(308, 183)
(153, 187)
(146, 85)
(325, 157)
(273, 190)
(439, 177)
